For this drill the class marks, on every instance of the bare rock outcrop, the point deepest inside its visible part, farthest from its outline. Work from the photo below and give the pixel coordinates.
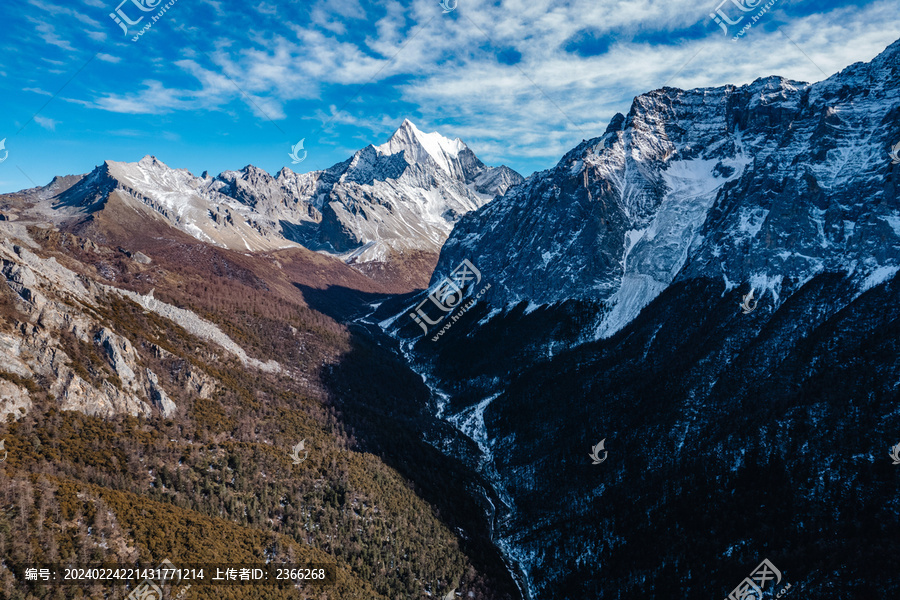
(74, 393)
(14, 400)
(46, 297)
(121, 356)
(159, 397)
(56, 330)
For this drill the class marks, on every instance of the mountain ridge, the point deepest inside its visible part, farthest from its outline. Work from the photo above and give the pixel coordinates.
(659, 179)
(384, 202)
(607, 305)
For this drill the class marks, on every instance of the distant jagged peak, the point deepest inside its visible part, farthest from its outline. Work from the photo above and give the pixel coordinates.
(147, 164)
(405, 194)
(243, 172)
(142, 172)
(415, 142)
(151, 161)
(254, 170)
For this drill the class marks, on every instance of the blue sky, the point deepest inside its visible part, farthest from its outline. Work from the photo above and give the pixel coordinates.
(219, 84)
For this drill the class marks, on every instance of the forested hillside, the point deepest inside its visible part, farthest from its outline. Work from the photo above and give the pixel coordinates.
(212, 481)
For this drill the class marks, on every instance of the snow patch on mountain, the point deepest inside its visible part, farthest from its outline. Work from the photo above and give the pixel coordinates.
(763, 282)
(471, 423)
(752, 220)
(894, 221)
(877, 277)
(634, 293)
(655, 254)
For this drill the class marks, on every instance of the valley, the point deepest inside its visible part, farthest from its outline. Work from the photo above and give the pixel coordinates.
(706, 292)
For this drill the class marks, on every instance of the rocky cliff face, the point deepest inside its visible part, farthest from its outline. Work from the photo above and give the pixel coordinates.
(613, 313)
(35, 348)
(762, 186)
(57, 340)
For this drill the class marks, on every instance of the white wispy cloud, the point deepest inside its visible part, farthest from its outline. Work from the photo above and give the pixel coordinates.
(37, 91)
(154, 98)
(63, 11)
(46, 123)
(266, 9)
(47, 33)
(447, 66)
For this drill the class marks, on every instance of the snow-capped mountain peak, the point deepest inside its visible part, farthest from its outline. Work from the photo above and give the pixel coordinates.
(758, 185)
(404, 195)
(415, 144)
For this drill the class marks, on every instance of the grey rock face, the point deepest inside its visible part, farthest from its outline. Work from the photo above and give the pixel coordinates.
(10, 350)
(74, 393)
(14, 400)
(120, 354)
(200, 384)
(19, 278)
(33, 348)
(159, 397)
(763, 185)
(140, 258)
